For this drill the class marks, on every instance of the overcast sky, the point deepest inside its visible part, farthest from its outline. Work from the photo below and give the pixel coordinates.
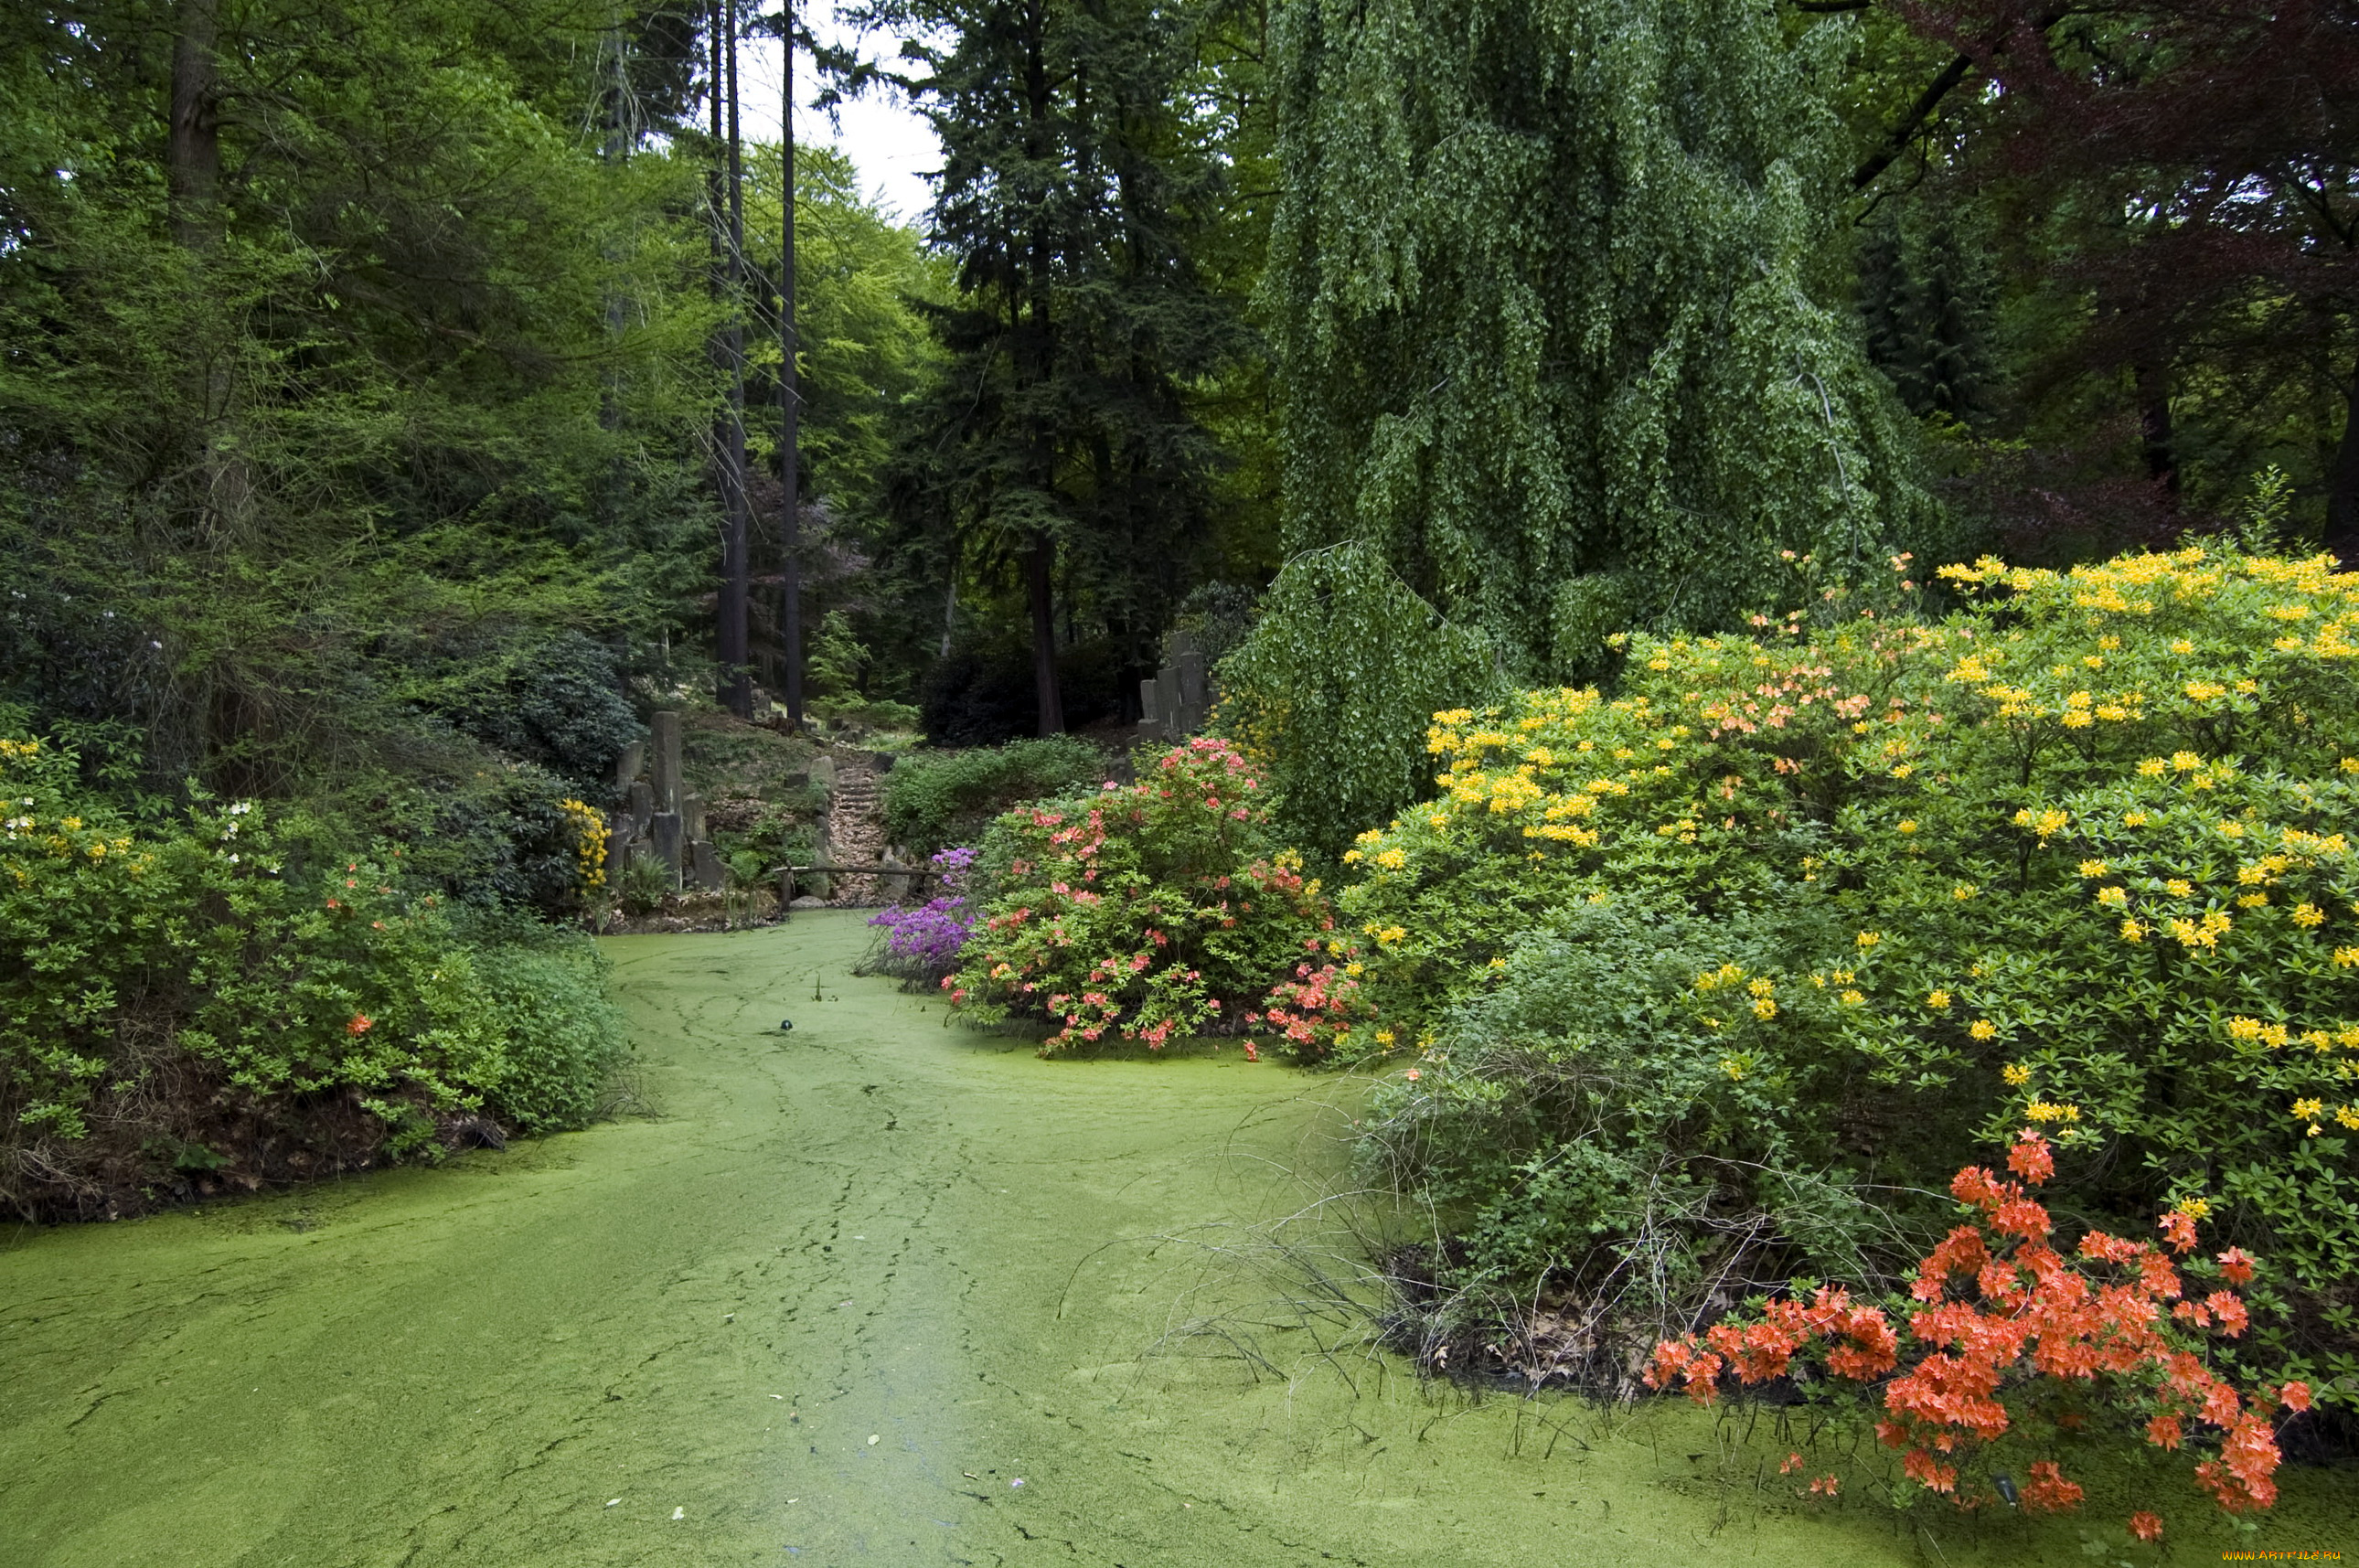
(891, 147)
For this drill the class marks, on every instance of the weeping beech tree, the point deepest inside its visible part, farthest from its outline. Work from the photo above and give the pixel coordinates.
(1555, 290)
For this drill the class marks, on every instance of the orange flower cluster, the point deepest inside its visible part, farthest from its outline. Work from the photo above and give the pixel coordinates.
(2024, 1300)
(1862, 1344)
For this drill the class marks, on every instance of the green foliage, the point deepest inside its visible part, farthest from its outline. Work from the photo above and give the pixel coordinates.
(1151, 912)
(2263, 529)
(1058, 462)
(194, 982)
(643, 884)
(540, 992)
(386, 469)
(2075, 857)
(555, 701)
(932, 802)
(1578, 1121)
(1332, 691)
(865, 350)
(837, 674)
(1928, 293)
(1220, 615)
(1551, 304)
(368, 436)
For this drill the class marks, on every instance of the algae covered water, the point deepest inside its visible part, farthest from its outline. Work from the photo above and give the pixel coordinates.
(872, 1291)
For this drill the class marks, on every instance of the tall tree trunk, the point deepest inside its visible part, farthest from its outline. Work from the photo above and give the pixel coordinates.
(737, 692)
(790, 526)
(192, 185)
(2155, 428)
(1038, 587)
(192, 148)
(2342, 483)
(1040, 561)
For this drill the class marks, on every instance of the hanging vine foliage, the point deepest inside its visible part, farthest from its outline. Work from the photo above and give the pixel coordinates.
(1336, 686)
(1557, 304)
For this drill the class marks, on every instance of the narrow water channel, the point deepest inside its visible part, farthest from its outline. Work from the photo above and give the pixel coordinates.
(873, 1291)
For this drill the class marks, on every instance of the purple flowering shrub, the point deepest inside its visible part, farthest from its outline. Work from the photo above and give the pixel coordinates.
(921, 941)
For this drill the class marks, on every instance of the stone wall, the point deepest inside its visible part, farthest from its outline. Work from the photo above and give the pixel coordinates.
(1180, 699)
(658, 820)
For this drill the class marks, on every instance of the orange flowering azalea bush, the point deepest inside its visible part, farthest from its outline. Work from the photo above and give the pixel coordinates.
(1688, 966)
(1152, 912)
(2014, 1342)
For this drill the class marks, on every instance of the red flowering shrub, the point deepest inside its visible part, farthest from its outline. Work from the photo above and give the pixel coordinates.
(1315, 1011)
(1151, 912)
(2014, 1338)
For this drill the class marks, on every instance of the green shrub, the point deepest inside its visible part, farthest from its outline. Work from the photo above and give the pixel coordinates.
(500, 836)
(561, 1039)
(934, 802)
(2075, 857)
(1331, 691)
(554, 699)
(1579, 1123)
(234, 992)
(1151, 912)
(642, 884)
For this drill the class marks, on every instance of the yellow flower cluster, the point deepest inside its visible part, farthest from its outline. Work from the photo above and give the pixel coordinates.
(2314, 1111)
(1725, 743)
(2204, 933)
(590, 834)
(2252, 1031)
(2297, 596)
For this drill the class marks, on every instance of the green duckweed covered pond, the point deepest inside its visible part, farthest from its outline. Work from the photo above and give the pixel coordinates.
(830, 1305)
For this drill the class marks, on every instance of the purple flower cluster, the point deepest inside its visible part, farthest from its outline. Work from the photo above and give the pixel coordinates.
(932, 933)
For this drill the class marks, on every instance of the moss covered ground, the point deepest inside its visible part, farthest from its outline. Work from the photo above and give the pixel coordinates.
(830, 1303)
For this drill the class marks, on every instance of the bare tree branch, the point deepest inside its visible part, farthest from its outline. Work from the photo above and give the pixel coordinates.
(1928, 100)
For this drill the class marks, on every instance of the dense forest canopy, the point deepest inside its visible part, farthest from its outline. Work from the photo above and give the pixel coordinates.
(356, 353)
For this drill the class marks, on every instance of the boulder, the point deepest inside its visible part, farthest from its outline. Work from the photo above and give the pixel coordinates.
(663, 835)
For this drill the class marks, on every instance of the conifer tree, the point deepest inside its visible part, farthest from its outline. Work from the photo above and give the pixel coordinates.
(1060, 447)
(1927, 297)
(1559, 310)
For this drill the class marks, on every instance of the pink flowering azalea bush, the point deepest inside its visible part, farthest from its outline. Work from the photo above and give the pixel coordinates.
(1151, 912)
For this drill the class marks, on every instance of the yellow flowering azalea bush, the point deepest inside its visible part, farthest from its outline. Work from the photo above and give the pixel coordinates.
(1833, 903)
(221, 999)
